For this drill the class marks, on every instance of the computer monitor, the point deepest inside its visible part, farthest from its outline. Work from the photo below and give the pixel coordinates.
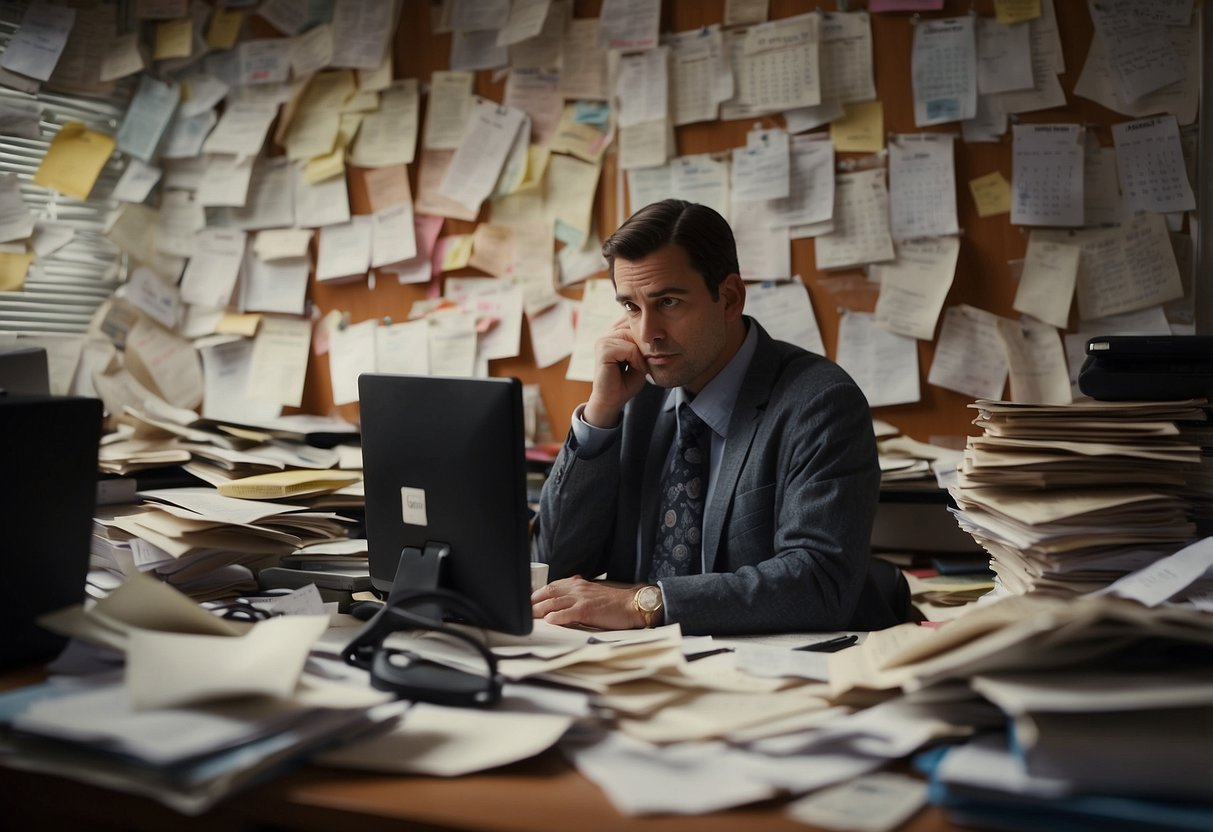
(24, 370)
(445, 479)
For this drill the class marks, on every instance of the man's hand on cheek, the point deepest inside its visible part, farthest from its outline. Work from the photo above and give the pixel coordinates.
(620, 375)
(571, 602)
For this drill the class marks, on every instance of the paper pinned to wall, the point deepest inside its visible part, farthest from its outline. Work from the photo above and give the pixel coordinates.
(883, 364)
(482, 151)
(913, 287)
(1047, 175)
(1036, 361)
(969, 355)
(1046, 285)
(279, 362)
(943, 66)
(922, 186)
(74, 160)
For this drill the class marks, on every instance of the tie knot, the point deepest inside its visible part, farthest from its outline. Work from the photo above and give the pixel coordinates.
(691, 429)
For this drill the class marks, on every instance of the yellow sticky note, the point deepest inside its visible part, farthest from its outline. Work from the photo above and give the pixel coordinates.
(234, 323)
(174, 39)
(224, 28)
(457, 250)
(13, 268)
(319, 168)
(992, 193)
(74, 160)
(861, 128)
(1016, 11)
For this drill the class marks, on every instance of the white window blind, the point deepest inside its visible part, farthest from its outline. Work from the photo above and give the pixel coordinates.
(64, 289)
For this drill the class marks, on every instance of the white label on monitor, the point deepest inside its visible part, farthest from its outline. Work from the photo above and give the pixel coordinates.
(412, 506)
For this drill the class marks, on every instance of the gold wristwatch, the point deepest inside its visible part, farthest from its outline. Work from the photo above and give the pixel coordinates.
(647, 601)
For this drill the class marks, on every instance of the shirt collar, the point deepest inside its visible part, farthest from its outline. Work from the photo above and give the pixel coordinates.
(714, 404)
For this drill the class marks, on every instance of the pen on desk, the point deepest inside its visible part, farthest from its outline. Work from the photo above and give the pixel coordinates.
(832, 645)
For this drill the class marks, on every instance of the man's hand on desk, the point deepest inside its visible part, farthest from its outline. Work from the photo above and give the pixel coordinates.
(575, 601)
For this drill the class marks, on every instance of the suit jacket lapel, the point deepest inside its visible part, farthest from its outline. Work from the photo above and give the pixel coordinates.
(752, 400)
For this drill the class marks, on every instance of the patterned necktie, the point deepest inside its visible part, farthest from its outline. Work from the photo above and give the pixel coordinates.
(683, 492)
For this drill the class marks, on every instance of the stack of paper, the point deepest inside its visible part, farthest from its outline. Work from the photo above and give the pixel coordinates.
(1068, 498)
(1105, 704)
(203, 706)
(203, 543)
(904, 458)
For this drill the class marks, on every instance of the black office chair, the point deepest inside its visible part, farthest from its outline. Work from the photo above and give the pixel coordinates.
(885, 599)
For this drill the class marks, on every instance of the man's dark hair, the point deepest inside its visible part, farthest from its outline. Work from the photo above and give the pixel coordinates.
(698, 230)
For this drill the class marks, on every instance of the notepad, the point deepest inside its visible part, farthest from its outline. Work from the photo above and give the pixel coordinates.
(293, 483)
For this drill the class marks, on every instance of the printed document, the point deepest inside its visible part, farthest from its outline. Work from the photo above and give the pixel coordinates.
(785, 310)
(478, 160)
(883, 364)
(1047, 175)
(861, 222)
(922, 186)
(913, 287)
(1046, 285)
(943, 65)
(1036, 360)
(969, 356)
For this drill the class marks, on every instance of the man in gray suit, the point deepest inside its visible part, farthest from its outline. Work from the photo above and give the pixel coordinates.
(773, 535)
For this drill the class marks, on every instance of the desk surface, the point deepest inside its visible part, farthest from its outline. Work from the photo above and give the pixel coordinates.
(543, 794)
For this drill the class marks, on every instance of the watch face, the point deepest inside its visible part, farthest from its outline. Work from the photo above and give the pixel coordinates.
(649, 598)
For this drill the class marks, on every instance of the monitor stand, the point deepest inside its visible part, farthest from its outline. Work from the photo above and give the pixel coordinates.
(419, 571)
(418, 574)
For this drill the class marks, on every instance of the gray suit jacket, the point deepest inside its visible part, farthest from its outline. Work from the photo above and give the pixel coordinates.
(787, 537)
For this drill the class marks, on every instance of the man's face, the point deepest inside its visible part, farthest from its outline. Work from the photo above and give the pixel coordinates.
(686, 337)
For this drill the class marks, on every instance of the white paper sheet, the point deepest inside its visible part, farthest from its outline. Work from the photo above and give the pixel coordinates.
(35, 48)
(1046, 285)
(944, 70)
(642, 87)
(596, 314)
(351, 353)
(211, 273)
(477, 161)
(922, 186)
(1150, 162)
(279, 361)
(861, 222)
(913, 287)
(883, 364)
(1036, 361)
(629, 24)
(1047, 175)
(278, 285)
(785, 311)
(344, 249)
(777, 67)
(403, 348)
(969, 356)
(147, 117)
(761, 169)
(1004, 56)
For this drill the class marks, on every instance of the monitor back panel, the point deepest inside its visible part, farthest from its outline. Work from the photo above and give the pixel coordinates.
(458, 422)
(48, 465)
